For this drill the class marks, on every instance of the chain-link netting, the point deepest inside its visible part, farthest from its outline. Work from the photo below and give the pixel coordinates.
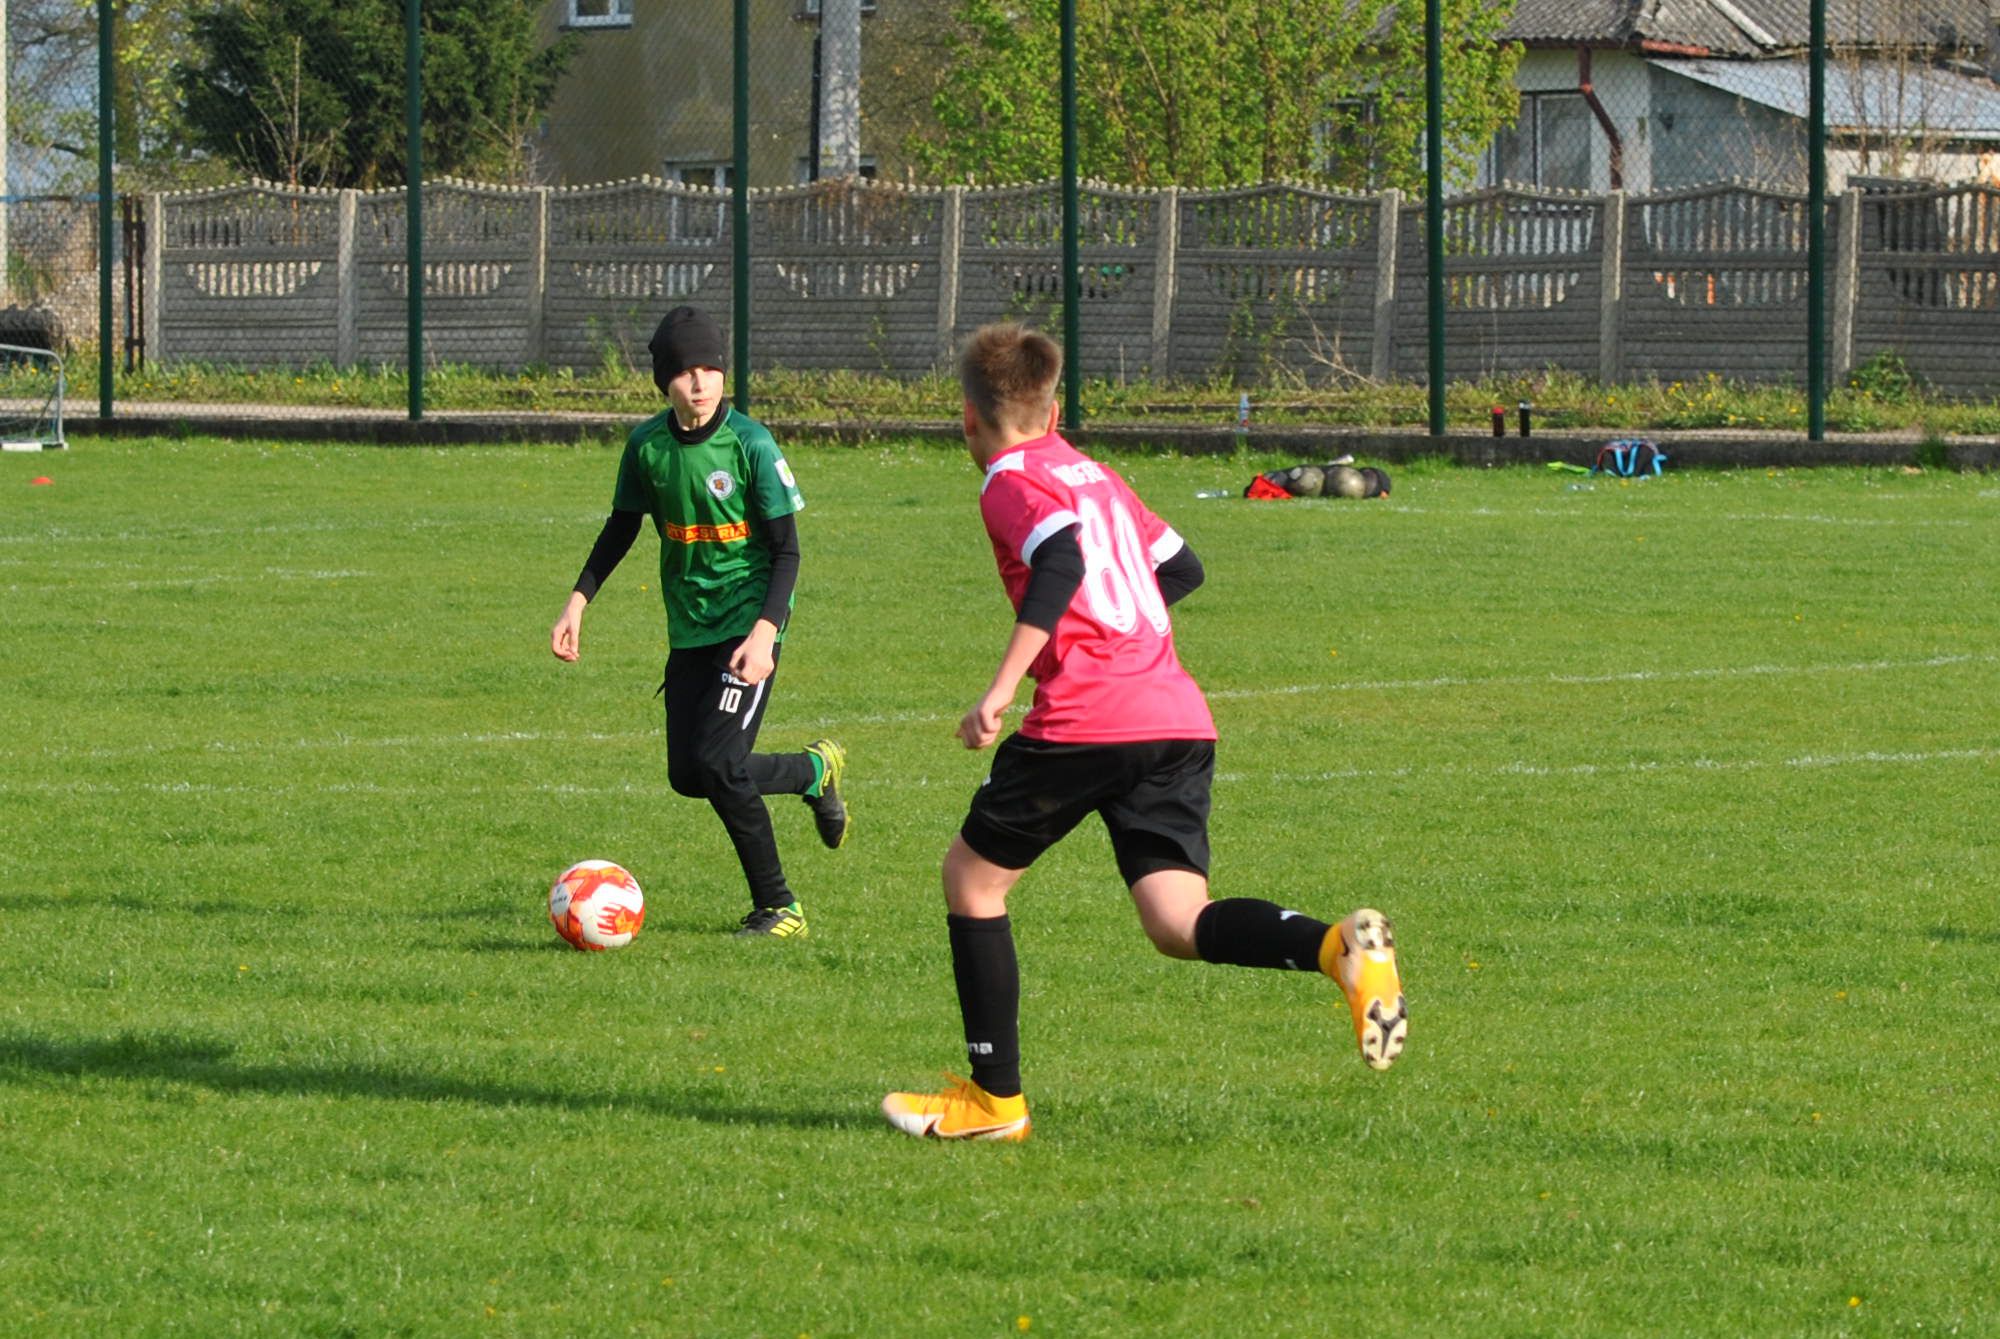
(48, 219)
(1626, 195)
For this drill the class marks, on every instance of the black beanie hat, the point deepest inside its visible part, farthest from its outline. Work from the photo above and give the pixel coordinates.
(686, 338)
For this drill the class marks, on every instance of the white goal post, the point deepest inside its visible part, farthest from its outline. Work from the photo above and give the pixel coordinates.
(31, 399)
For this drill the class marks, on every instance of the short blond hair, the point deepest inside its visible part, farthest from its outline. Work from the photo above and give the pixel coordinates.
(1009, 373)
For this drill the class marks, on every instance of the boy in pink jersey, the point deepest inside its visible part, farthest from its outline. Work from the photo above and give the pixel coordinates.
(1117, 728)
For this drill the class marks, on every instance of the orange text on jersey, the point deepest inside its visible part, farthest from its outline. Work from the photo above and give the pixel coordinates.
(716, 534)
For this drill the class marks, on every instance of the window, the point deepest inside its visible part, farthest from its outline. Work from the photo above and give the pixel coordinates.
(715, 176)
(802, 170)
(811, 8)
(598, 14)
(1350, 143)
(1549, 146)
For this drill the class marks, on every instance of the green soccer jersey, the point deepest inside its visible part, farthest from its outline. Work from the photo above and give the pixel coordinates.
(706, 499)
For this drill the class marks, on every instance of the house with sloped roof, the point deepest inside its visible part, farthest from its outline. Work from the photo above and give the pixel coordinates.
(1656, 95)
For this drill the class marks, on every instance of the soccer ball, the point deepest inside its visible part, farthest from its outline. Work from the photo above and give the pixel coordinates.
(597, 905)
(1345, 482)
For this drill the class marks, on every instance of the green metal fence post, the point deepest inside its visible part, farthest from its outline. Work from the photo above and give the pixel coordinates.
(1434, 203)
(105, 108)
(739, 213)
(1816, 227)
(1072, 288)
(413, 193)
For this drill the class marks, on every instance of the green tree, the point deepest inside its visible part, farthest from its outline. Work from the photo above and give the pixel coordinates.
(52, 87)
(310, 92)
(1224, 93)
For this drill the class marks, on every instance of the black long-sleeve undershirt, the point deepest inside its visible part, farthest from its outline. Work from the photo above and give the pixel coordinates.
(1179, 574)
(1054, 574)
(782, 534)
(614, 541)
(621, 528)
(1056, 571)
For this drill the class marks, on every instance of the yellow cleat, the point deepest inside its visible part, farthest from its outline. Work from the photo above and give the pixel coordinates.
(829, 808)
(1360, 955)
(963, 1111)
(786, 922)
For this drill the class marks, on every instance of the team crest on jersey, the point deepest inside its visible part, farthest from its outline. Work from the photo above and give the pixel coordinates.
(785, 474)
(721, 484)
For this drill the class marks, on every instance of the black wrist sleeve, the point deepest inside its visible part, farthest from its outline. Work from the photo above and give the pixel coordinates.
(1053, 576)
(1179, 574)
(783, 534)
(614, 541)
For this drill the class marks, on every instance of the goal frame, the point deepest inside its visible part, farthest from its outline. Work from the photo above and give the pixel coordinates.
(47, 427)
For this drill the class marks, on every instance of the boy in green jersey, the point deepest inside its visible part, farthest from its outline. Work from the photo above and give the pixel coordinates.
(723, 501)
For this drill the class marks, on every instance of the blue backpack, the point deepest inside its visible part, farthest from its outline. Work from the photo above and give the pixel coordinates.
(1630, 458)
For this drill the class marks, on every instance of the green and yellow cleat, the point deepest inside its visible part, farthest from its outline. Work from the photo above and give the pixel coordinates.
(786, 922)
(1360, 955)
(828, 808)
(962, 1111)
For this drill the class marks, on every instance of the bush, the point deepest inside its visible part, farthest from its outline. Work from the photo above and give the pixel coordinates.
(1885, 377)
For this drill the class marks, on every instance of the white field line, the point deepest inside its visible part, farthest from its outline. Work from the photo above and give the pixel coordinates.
(1733, 517)
(1624, 676)
(1504, 771)
(64, 535)
(1803, 762)
(211, 579)
(828, 723)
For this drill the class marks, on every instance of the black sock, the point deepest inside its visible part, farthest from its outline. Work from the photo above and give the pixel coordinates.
(989, 999)
(782, 773)
(1250, 932)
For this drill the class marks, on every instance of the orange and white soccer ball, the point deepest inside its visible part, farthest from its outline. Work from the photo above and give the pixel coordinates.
(597, 905)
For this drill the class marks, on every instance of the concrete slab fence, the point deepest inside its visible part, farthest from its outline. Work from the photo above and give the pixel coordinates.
(1258, 283)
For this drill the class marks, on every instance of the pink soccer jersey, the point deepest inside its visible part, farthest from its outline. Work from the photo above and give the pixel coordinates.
(1109, 675)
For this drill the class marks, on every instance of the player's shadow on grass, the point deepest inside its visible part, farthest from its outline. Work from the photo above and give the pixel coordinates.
(482, 911)
(535, 945)
(160, 1057)
(12, 903)
(1951, 934)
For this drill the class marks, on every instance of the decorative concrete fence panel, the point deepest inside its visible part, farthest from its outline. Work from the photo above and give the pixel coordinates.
(1010, 260)
(1523, 279)
(619, 257)
(845, 276)
(248, 276)
(1715, 281)
(1275, 278)
(1929, 284)
(481, 275)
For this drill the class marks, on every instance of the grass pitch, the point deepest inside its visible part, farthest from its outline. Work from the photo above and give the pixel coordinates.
(1681, 795)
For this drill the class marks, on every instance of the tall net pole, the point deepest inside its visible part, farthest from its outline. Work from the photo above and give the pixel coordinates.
(739, 210)
(6, 186)
(104, 222)
(413, 193)
(1816, 226)
(1072, 288)
(1434, 203)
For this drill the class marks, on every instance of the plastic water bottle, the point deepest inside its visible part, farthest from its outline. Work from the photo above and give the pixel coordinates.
(1214, 492)
(1242, 416)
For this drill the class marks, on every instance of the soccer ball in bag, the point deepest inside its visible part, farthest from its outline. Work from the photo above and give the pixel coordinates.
(597, 905)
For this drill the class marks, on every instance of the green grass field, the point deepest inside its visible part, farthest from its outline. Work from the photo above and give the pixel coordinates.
(1681, 795)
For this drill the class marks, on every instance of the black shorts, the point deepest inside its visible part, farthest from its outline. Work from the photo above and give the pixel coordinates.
(1153, 797)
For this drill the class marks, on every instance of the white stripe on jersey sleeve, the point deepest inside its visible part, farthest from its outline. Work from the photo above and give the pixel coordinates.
(1058, 521)
(1166, 546)
(1013, 460)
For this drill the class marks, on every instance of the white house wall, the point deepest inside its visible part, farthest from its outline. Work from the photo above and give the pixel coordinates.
(1623, 86)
